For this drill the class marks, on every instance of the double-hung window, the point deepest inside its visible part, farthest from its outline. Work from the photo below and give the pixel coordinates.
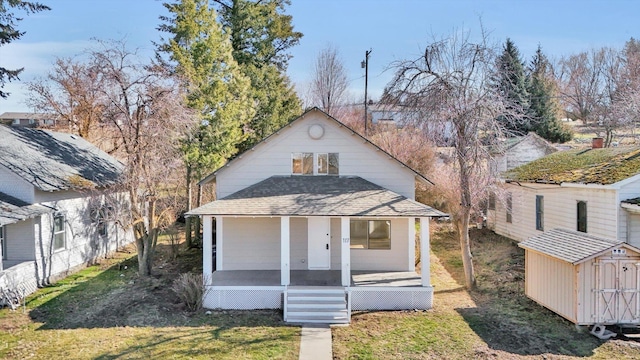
(509, 208)
(58, 232)
(370, 234)
(3, 245)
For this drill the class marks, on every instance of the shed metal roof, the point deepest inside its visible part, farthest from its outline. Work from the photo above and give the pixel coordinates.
(13, 210)
(56, 161)
(316, 196)
(570, 246)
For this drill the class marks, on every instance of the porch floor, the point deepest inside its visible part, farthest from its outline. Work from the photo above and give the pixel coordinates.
(315, 278)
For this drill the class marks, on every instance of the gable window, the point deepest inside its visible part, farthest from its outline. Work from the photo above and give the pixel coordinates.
(540, 212)
(582, 216)
(327, 164)
(370, 234)
(3, 246)
(302, 163)
(509, 207)
(58, 232)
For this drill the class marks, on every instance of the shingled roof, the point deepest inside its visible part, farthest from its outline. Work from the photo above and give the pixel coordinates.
(316, 196)
(13, 210)
(591, 166)
(571, 246)
(56, 161)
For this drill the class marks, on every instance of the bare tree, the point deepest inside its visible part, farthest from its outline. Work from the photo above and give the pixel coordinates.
(329, 85)
(450, 84)
(72, 91)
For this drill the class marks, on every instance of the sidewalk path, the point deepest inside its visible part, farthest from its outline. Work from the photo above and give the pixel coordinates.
(315, 342)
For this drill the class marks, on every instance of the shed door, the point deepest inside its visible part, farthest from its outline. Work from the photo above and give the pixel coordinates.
(617, 300)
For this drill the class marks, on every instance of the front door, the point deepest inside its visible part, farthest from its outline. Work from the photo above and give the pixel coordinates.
(319, 246)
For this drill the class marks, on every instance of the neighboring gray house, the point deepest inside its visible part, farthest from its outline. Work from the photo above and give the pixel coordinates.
(26, 119)
(520, 150)
(57, 209)
(317, 221)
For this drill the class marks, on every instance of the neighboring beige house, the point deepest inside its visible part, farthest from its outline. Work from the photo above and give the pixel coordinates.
(577, 215)
(57, 209)
(26, 119)
(317, 221)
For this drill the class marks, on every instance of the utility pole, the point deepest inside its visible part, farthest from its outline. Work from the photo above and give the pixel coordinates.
(365, 65)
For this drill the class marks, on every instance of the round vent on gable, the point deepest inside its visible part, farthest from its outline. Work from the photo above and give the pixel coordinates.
(316, 131)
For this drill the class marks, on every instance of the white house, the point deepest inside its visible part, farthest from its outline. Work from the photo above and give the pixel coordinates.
(521, 150)
(317, 221)
(57, 212)
(587, 190)
(576, 215)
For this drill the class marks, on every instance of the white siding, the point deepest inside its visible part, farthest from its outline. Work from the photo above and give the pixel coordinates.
(274, 158)
(632, 236)
(251, 243)
(560, 205)
(299, 239)
(13, 185)
(551, 283)
(524, 152)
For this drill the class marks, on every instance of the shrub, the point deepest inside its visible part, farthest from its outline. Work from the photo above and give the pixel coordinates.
(190, 289)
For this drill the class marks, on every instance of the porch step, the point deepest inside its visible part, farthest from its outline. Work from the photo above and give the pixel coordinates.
(317, 305)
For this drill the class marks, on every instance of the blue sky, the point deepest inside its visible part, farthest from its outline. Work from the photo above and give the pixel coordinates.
(394, 30)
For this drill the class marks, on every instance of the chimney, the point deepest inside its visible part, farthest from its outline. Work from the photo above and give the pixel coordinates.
(597, 143)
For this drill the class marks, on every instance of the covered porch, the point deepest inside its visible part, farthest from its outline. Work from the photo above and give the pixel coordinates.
(315, 278)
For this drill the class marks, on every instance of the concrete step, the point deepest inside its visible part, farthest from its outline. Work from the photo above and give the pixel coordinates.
(318, 312)
(302, 304)
(318, 319)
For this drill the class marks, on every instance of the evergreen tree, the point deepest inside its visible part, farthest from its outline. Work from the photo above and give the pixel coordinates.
(261, 34)
(9, 32)
(544, 105)
(201, 55)
(510, 83)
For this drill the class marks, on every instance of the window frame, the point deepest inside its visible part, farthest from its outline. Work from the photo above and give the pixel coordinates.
(331, 163)
(540, 212)
(302, 156)
(509, 208)
(582, 224)
(58, 232)
(367, 242)
(3, 242)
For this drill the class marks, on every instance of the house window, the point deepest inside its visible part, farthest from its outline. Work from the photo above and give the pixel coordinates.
(509, 207)
(327, 164)
(582, 216)
(100, 217)
(302, 163)
(491, 202)
(58, 232)
(370, 234)
(3, 246)
(540, 212)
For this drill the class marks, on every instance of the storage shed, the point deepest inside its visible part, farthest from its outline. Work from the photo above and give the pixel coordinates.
(586, 279)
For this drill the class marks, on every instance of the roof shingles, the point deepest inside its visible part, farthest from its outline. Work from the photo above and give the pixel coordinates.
(567, 245)
(13, 210)
(316, 196)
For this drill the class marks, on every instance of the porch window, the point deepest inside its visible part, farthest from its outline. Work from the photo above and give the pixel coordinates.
(327, 164)
(540, 212)
(509, 207)
(371, 234)
(3, 246)
(582, 216)
(58, 232)
(302, 163)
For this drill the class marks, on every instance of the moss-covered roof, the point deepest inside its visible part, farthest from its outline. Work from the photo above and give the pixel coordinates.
(634, 201)
(587, 166)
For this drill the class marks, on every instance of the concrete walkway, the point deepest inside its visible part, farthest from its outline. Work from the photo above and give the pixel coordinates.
(315, 342)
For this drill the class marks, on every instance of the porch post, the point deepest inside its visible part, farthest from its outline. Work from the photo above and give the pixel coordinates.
(219, 243)
(411, 266)
(345, 251)
(284, 251)
(207, 248)
(425, 256)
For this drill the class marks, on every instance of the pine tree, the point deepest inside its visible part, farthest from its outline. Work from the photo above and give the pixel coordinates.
(201, 55)
(510, 83)
(261, 34)
(544, 105)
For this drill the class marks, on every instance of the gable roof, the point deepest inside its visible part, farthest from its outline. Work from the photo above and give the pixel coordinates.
(13, 210)
(53, 161)
(571, 246)
(298, 195)
(587, 166)
(212, 176)
(515, 141)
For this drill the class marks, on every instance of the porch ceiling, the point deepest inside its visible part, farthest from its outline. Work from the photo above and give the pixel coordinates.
(13, 210)
(316, 196)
